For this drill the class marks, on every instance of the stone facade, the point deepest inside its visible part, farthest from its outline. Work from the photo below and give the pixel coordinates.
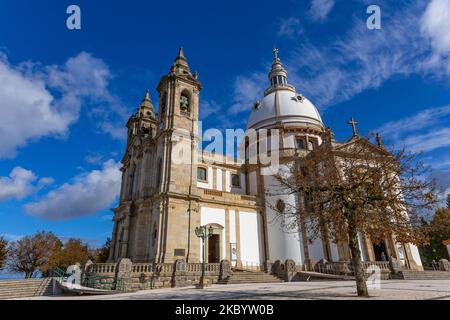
(170, 187)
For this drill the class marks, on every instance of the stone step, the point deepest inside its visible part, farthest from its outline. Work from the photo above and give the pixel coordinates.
(250, 277)
(10, 289)
(26, 290)
(426, 275)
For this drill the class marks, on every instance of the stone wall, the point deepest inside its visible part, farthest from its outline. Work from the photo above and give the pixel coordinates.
(128, 276)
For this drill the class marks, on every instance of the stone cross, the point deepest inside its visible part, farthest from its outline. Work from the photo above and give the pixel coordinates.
(275, 54)
(353, 122)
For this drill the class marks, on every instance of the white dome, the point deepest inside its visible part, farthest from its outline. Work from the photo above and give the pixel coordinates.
(284, 107)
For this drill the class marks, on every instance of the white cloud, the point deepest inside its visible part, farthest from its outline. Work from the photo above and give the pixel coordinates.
(85, 195)
(290, 28)
(436, 24)
(21, 183)
(39, 101)
(209, 108)
(247, 89)
(11, 237)
(425, 131)
(362, 59)
(27, 110)
(432, 140)
(320, 9)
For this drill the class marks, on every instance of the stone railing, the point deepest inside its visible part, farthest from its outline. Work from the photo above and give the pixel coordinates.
(142, 267)
(103, 268)
(209, 267)
(129, 276)
(383, 265)
(340, 267)
(346, 267)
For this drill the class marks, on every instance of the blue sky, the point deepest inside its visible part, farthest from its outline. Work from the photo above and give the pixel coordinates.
(65, 95)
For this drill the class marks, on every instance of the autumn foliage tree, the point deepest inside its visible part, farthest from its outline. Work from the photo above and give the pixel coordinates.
(437, 230)
(29, 254)
(356, 187)
(3, 252)
(66, 254)
(101, 255)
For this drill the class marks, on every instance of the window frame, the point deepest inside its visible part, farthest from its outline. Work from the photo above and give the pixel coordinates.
(206, 174)
(303, 139)
(239, 180)
(186, 94)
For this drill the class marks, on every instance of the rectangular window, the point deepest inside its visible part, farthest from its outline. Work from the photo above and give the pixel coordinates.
(235, 181)
(201, 174)
(301, 143)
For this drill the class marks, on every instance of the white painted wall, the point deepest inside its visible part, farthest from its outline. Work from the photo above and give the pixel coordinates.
(283, 244)
(250, 238)
(316, 250)
(289, 140)
(227, 181)
(219, 179)
(232, 220)
(334, 251)
(209, 184)
(209, 216)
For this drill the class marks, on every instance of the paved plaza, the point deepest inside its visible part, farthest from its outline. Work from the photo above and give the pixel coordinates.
(323, 290)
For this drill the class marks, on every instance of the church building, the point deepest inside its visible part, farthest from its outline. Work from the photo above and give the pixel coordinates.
(163, 200)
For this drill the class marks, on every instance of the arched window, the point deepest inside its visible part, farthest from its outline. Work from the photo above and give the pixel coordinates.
(185, 102)
(202, 174)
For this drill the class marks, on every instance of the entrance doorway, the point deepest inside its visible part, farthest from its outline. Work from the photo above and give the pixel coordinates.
(214, 249)
(379, 249)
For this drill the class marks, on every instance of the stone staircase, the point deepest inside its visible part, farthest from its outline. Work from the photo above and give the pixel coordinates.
(239, 277)
(11, 289)
(425, 275)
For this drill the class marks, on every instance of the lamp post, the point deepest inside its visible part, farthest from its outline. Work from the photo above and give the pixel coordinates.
(203, 234)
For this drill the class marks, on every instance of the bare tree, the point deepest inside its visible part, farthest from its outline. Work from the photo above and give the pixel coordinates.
(30, 253)
(357, 187)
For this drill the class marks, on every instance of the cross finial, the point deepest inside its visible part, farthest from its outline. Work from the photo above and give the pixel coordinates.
(275, 54)
(353, 122)
(378, 138)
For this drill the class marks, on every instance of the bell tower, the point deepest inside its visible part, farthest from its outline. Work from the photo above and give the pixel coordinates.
(177, 139)
(178, 133)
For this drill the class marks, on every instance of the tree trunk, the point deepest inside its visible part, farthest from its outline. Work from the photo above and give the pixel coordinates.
(360, 276)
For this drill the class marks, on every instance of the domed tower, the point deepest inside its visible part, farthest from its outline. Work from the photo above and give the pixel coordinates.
(300, 130)
(285, 109)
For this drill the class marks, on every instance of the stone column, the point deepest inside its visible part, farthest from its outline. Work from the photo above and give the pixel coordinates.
(126, 235)
(227, 235)
(369, 248)
(238, 240)
(113, 248)
(394, 248)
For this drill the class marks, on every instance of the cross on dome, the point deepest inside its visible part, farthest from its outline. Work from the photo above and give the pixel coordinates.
(353, 123)
(275, 54)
